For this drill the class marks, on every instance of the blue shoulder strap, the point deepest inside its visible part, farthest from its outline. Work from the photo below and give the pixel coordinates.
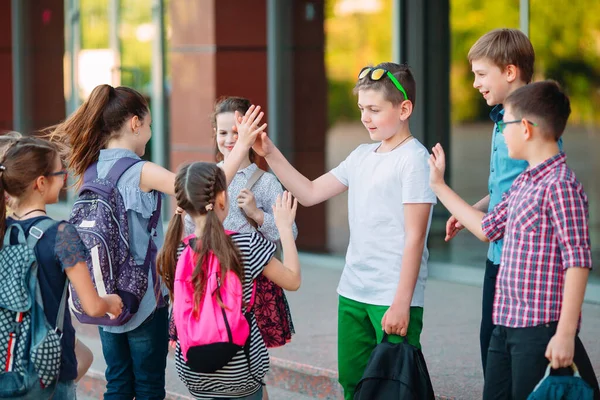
(35, 234)
(37, 231)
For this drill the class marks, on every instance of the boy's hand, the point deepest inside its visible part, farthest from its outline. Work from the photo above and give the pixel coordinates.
(437, 165)
(560, 351)
(395, 320)
(452, 228)
(247, 202)
(247, 126)
(285, 210)
(263, 146)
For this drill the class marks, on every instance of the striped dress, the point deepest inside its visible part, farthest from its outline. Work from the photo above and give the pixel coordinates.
(233, 380)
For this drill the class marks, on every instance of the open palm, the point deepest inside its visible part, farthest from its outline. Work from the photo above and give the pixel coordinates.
(437, 165)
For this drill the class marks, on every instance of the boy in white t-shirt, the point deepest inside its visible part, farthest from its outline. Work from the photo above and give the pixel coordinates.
(390, 206)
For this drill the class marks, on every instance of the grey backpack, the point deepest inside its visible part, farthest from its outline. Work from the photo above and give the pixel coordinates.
(30, 349)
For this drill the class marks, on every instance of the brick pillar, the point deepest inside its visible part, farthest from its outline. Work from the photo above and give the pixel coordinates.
(43, 34)
(220, 48)
(6, 109)
(217, 49)
(310, 113)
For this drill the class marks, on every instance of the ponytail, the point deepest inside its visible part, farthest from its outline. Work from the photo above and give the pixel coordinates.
(89, 129)
(166, 262)
(197, 187)
(215, 240)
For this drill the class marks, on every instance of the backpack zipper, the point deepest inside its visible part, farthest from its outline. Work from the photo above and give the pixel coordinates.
(111, 214)
(105, 246)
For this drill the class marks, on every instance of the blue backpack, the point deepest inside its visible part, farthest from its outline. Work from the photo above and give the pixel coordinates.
(30, 349)
(100, 216)
(553, 387)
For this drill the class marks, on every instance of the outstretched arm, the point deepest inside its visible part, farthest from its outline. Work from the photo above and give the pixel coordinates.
(468, 215)
(306, 191)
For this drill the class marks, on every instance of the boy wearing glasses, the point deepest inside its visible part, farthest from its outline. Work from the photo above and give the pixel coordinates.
(389, 211)
(502, 61)
(546, 256)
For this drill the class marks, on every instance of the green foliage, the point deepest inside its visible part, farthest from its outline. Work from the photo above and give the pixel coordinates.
(136, 54)
(565, 36)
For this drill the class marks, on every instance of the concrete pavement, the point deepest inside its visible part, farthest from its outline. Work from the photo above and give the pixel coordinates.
(306, 367)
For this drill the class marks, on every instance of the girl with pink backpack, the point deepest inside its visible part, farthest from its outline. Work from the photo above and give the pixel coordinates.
(211, 278)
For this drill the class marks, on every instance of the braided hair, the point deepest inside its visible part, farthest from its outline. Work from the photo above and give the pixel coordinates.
(197, 186)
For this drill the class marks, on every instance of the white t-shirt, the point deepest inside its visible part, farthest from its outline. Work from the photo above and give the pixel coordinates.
(379, 184)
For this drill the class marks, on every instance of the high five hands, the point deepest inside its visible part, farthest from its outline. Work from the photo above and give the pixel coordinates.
(252, 135)
(247, 126)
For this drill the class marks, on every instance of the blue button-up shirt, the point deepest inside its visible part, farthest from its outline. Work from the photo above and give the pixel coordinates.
(503, 171)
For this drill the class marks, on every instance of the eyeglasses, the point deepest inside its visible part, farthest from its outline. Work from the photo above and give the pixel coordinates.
(59, 173)
(502, 124)
(375, 74)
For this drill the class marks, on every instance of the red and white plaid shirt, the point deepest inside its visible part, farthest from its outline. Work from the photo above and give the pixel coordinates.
(544, 221)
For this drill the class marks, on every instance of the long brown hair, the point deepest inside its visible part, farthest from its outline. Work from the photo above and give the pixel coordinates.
(196, 187)
(100, 118)
(230, 104)
(22, 161)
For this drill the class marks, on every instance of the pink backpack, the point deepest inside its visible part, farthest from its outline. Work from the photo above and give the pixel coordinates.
(211, 337)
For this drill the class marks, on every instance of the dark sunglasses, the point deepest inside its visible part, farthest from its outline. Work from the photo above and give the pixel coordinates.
(375, 74)
(502, 124)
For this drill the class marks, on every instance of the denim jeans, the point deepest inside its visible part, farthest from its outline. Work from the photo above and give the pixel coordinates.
(136, 360)
(516, 362)
(487, 307)
(60, 391)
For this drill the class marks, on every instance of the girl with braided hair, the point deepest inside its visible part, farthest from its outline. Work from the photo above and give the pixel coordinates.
(254, 191)
(201, 191)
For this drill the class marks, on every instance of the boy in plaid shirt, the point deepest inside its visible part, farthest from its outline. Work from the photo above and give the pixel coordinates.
(546, 257)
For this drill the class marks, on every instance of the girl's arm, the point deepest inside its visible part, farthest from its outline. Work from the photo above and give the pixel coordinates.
(92, 303)
(287, 274)
(155, 177)
(71, 254)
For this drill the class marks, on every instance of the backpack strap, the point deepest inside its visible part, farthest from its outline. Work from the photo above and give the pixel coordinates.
(254, 178)
(251, 181)
(152, 250)
(35, 234)
(113, 176)
(119, 168)
(37, 231)
(60, 316)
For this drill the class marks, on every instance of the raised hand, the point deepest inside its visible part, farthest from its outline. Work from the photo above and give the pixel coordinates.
(284, 210)
(437, 165)
(247, 126)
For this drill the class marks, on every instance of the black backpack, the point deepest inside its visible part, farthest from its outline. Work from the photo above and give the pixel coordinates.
(395, 371)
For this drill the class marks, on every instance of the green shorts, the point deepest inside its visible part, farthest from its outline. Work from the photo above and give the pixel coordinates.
(359, 331)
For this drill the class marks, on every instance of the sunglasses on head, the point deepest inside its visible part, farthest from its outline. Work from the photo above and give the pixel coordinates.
(375, 74)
